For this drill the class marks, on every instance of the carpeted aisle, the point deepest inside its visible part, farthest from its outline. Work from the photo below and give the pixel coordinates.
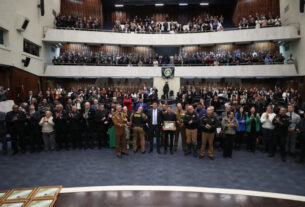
(101, 167)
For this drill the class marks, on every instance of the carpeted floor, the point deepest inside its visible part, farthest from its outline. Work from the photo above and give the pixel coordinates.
(101, 167)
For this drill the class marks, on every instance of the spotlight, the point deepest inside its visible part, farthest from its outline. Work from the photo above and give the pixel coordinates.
(183, 4)
(118, 5)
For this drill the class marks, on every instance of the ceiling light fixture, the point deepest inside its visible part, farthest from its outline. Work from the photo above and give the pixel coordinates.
(183, 4)
(118, 5)
(204, 4)
(159, 4)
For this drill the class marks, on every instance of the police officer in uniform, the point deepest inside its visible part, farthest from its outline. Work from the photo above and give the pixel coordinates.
(138, 121)
(180, 127)
(191, 122)
(15, 120)
(119, 121)
(281, 122)
(208, 125)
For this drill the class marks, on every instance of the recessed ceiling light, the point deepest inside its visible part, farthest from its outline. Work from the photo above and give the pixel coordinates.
(159, 4)
(119, 5)
(183, 4)
(204, 4)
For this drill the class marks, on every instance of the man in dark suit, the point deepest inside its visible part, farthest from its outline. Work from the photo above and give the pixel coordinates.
(3, 132)
(15, 120)
(169, 116)
(154, 123)
(101, 120)
(60, 120)
(88, 116)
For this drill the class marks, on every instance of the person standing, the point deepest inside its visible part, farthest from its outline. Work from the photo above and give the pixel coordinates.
(127, 127)
(101, 120)
(15, 120)
(48, 133)
(300, 129)
(229, 125)
(74, 126)
(3, 133)
(88, 115)
(111, 128)
(180, 127)
(191, 122)
(165, 90)
(138, 121)
(292, 134)
(32, 124)
(253, 128)
(154, 123)
(208, 125)
(281, 122)
(268, 130)
(119, 121)
(60, 121)
(241, 118)
(169, 116)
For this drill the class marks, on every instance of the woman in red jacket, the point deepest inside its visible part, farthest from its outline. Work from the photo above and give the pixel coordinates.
(127, 102)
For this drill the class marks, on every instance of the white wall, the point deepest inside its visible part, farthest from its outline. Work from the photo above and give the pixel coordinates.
(186, 72)
(174, 85)
(12, 52)
(249, 35)
(293, 16)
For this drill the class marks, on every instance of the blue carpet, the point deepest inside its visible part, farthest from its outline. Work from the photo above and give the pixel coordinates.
(101, 167)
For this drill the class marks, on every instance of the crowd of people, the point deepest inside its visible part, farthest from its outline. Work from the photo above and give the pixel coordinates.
(149, 25)
(226, 118)
(215, 58)
(78, 22)
(259, 21)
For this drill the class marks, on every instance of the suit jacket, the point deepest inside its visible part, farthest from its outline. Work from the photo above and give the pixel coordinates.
(150, 118)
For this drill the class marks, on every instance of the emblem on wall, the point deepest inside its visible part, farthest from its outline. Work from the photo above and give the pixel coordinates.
(168, 72)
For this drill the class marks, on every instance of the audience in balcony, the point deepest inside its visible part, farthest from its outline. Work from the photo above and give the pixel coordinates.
(149, 25)
(77, 22)
(236, 57)
(259, 21)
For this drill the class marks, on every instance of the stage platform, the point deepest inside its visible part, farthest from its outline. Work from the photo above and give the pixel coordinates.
(172, 196)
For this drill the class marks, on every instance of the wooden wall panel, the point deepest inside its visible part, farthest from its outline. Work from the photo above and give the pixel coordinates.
(5, 73)
(21, 82)
(83, 8)
(246, 7)
(108, 49)
(178, 13)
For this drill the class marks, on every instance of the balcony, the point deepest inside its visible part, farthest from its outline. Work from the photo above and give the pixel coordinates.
(284, 33)
(240, 71)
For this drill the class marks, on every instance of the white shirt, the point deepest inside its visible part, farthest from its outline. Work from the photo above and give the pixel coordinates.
(267, 123)
(154, 118)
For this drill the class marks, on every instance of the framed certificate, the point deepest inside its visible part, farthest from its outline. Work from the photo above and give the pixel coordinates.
(169, 125)
(48, 192)
(41, 203)
(3, 194)
(17, 204)
(22, 194)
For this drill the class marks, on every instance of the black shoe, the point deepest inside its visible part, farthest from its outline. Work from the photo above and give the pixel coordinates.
(284, 159)
(158, 151)
(124, 153)
(171, 152)
(175, 150)
(201, 156)
(23, 151)
(119, 156)
(143, 152)
(165, 151)
(135, 151)
(271, 155)
(151, 150)
(14, 153)
(211, 158)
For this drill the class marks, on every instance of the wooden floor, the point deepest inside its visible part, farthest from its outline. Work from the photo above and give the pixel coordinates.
(167, 198)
